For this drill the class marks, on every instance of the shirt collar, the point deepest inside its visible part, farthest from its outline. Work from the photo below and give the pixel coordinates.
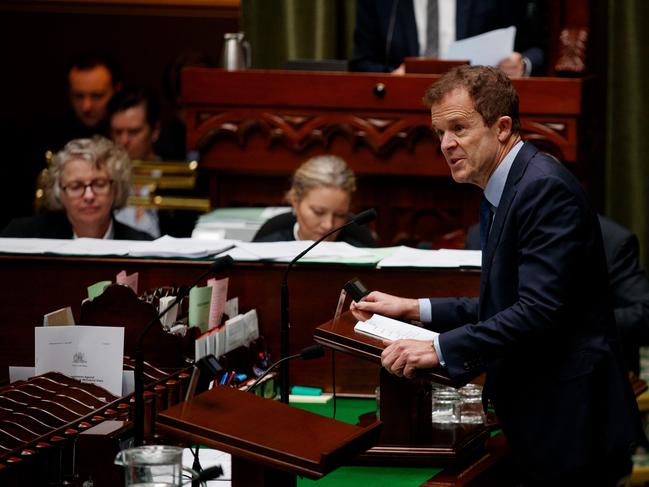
(496, 184)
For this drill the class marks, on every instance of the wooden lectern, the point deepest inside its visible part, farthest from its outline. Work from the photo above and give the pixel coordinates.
(405, 406)
(270, 442)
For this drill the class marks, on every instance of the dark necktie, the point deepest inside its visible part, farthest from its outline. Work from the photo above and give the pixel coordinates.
(485, 222)
(432, 31)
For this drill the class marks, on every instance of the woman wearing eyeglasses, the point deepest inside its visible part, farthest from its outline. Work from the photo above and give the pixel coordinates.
(88, 179)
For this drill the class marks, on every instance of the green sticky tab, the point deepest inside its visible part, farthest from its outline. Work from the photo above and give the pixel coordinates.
(97, 288)
(199, 306)
(306, 391)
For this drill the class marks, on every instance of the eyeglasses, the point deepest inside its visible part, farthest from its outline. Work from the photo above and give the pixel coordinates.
(76, 189)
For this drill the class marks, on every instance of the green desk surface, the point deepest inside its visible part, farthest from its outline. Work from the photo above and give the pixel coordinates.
(348, 410)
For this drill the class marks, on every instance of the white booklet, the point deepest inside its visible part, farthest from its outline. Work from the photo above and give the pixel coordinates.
(91, 354)
(391, 329)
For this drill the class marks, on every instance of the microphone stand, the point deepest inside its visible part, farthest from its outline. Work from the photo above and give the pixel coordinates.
(138, 417)
(360, 219)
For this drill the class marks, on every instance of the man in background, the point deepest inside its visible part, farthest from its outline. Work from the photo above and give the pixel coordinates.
(134, 115)
(134, 118)
(93, 78)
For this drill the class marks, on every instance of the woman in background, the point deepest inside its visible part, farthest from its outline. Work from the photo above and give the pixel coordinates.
(321, 197)
(87, 180)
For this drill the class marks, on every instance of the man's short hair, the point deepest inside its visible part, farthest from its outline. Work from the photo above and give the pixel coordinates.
(133, 96)
(490, 89)
(90, 60)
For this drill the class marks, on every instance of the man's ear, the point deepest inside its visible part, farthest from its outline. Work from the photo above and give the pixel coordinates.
(504, 128)
(155, 133)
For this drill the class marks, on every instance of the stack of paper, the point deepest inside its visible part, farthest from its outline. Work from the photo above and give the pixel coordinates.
(167, 246)
(410, 257)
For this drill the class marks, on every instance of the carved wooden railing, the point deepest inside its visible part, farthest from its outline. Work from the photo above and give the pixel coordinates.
(253, 128)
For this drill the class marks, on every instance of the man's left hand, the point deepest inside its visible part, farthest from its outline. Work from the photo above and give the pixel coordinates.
(513, 66)
(403, 357)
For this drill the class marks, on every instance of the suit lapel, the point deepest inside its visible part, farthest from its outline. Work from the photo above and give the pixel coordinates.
(509, 192)
(462, 18)
(408, 26)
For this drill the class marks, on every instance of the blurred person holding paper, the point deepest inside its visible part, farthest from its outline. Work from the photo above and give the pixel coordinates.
(320, 195)
(387, 31)
(87, 180)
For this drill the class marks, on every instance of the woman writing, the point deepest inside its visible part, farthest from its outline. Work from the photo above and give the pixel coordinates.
(321, 197)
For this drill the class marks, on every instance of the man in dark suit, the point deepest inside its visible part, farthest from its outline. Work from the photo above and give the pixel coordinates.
(386, 32)
(629, 285)
(543, 327)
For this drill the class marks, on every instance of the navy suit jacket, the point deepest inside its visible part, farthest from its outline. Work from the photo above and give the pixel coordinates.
(543, 328)
(472, 17)
(629, 285)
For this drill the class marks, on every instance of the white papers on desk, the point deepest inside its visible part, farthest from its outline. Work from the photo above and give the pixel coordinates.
(94, 246)
(286, 251)
(167, 246)
(487, 49)
(29, 245)
(449, 258)
(390, 329)
(91, 354)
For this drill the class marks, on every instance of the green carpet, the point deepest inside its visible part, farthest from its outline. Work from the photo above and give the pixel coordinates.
(348, 410)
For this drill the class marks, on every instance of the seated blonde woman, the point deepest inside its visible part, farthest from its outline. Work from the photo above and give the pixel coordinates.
(321, 196)
(88, 179)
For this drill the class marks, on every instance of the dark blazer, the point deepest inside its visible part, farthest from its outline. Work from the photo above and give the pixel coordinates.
(280, 229)
(543, 330)
(472, 17)
(56, 225)
(629, 285)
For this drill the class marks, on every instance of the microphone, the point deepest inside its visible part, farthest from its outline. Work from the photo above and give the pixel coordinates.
(218, 265)
(360, 219)
(308, 353)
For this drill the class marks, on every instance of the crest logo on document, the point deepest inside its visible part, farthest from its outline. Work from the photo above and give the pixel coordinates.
(79, 358)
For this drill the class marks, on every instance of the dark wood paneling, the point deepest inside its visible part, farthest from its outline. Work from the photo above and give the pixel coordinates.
(33, 286)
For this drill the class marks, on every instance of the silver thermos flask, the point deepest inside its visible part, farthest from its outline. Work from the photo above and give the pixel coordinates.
(236, 52)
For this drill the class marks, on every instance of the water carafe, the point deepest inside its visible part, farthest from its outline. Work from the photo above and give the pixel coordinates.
(154, 466)
(236, 52)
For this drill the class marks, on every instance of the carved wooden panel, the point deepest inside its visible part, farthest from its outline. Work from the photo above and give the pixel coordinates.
(253, 128)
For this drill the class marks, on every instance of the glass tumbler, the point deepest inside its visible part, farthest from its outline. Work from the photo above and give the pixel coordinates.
(471, 410)
(446, 405)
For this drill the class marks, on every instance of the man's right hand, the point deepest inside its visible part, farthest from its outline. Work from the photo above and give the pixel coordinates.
(386, 305)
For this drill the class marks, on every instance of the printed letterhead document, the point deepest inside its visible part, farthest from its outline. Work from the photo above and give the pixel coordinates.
(91, 354)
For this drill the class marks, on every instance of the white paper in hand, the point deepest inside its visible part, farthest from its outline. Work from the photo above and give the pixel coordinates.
(391, 329)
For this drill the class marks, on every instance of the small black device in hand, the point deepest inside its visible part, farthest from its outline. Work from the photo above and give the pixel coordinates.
(355, 288)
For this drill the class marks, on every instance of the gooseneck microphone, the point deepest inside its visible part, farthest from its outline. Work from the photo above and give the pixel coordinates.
(218, 265)
(360, 219)
(308, 353)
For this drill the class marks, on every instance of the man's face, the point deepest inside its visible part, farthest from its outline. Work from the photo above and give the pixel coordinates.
(90, 91)
(472, 150)
(131, 130)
